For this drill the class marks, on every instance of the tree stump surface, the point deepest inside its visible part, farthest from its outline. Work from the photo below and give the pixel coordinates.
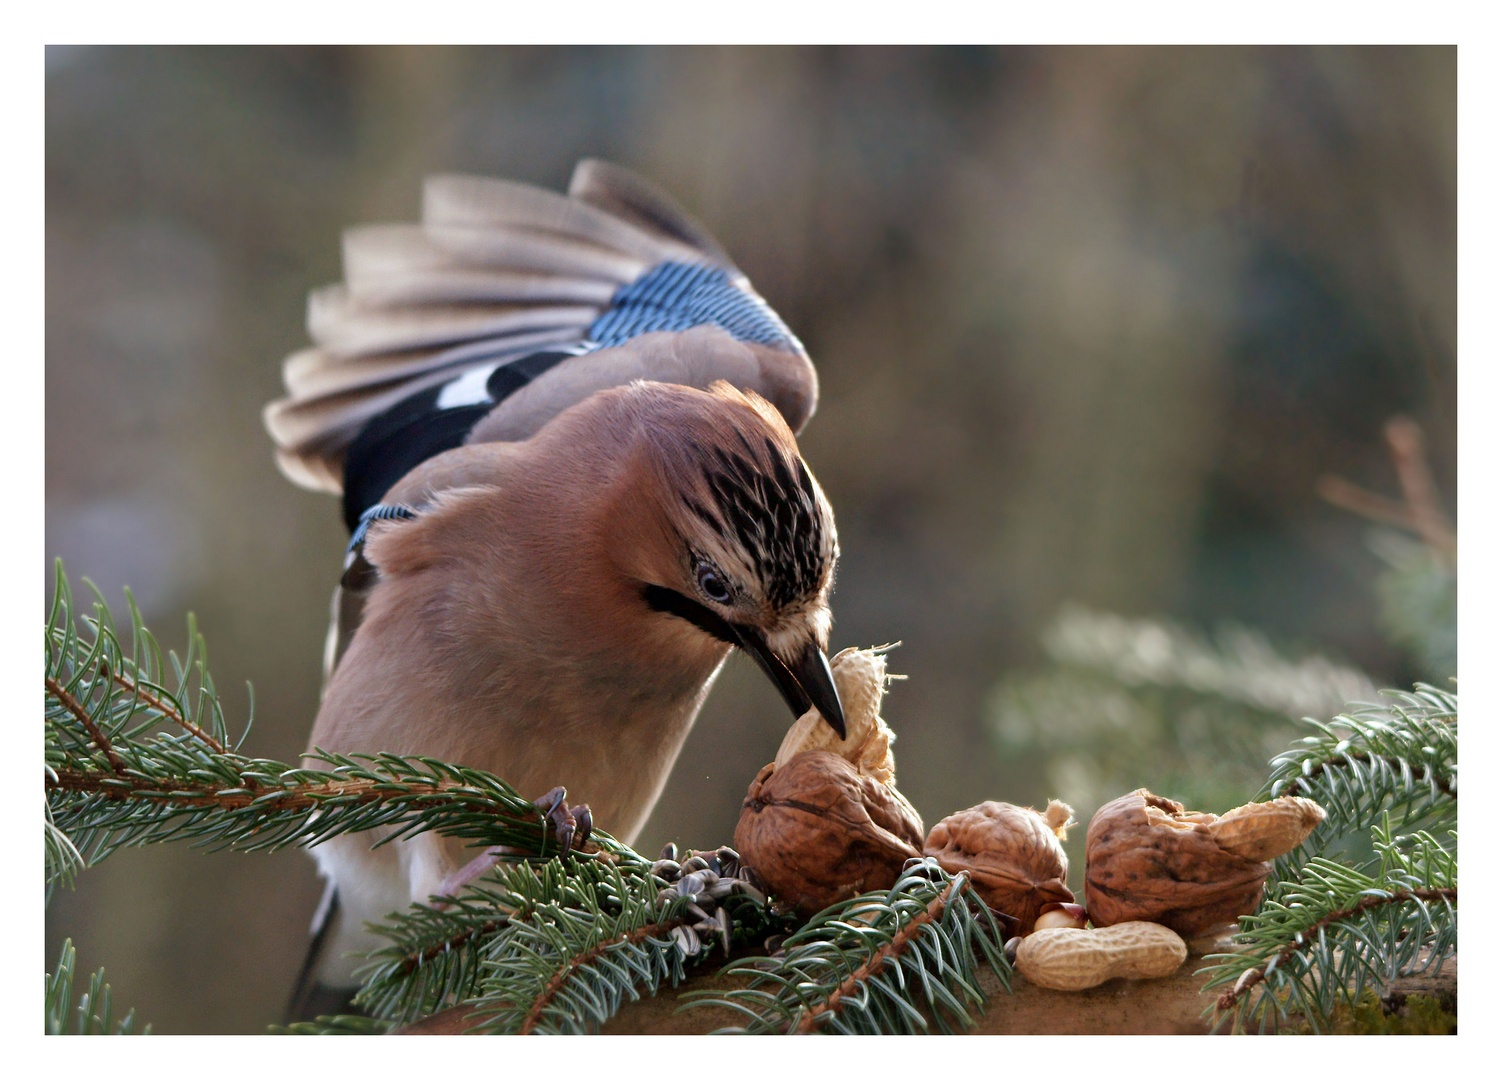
(1175, 1005)
(1168, 1006)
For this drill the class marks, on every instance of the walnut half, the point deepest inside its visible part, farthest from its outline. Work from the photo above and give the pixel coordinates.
(1012, 854)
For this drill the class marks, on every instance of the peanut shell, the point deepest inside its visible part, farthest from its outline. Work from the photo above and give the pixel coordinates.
(1264, 831)
(1066, 959)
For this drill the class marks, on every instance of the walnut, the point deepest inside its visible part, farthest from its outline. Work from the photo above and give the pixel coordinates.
(1012, 854)
(1147, 858)
(818, 831)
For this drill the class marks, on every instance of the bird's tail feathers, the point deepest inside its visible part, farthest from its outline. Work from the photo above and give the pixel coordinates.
(310, 997)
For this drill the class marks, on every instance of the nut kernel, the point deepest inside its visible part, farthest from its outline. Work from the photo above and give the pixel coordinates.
(1061, 917)
(860, 676)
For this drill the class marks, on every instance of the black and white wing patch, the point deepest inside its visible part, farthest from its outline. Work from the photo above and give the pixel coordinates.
(670, 296)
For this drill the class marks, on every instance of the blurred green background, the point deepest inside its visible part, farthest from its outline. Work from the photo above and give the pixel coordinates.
(1090, 323)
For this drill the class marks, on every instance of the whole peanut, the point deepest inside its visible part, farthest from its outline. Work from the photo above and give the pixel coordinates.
(1065, 959)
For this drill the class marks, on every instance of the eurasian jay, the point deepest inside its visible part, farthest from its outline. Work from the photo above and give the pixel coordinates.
(562, 429)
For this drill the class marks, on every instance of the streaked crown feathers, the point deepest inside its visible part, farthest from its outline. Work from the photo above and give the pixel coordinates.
(750, 506)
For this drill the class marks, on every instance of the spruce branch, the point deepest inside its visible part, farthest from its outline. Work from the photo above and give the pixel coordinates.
(571, 968)
(587, 938)
(1126, 699)
(1306, 940)
(857, 979)
(554, 946)
(1321, 939)
(227, 801)
(860, 966)
(1238, 664)
(435, 958)
(1397, 759)
(130, 762)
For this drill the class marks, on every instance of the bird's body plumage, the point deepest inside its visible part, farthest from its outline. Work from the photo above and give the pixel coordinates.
(580, 417)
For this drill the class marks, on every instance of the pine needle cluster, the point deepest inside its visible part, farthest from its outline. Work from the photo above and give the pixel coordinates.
(90, 1013)
(905, 961)
(1372, 896)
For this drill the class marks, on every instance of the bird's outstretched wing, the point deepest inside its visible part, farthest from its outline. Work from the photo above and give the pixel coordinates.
(504, 287)
(503, 307)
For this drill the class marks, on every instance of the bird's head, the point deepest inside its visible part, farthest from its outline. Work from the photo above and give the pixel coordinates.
(749, 544)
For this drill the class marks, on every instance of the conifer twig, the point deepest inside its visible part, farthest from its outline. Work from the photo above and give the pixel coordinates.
(1312, 771)
(889, 950)
(1312, 935)
(1325, 933)
(855, 967)
(175, 715)
(573, 963)
(69, 702)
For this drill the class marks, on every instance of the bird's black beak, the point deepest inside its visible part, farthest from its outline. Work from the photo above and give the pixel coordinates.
(805, 679)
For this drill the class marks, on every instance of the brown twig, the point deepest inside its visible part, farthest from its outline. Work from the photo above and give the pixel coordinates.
(1358, 500)
(561, 976)
(1420, 509)
(893, 948)
(162, 707)
(1406, 441)
(234, 797)
(70, 703)
(1310, 935)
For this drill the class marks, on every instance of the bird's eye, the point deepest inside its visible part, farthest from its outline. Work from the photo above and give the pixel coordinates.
(713, 586)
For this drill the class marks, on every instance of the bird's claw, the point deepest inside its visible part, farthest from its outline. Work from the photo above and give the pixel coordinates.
(469, 872)
(572, 825)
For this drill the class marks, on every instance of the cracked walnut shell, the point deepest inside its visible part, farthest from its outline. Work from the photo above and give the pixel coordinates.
(1012, 854)
(818, 831)
(1147, 858)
